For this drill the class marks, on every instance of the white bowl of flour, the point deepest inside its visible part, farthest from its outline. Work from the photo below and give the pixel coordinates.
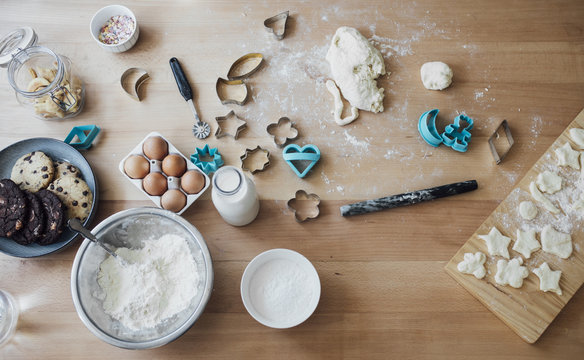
(280, 288)
(160, 291)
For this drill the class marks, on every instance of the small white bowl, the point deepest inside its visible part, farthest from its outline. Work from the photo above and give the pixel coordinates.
(101, 18)
(280, 288)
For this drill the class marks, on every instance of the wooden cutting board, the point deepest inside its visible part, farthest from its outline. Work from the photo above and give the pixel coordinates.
(527, 310)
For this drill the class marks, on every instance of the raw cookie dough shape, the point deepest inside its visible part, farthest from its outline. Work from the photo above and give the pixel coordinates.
(549, 182)
(304, 205)
(473, 264)
(526, 243)
(538, 196)
(568, 156)
(577, 136)
(338, 106)
(355, 64)
(436, 75)
(549, 280)
(497, 243)
(282, 131)
(555, 242)
(579, 204)
(511, 272)
(229, 125)
(255, 160)
(527, 210)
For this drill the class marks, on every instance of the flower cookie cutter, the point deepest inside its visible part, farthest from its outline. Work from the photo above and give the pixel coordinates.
(503, 127)
(304, 205)
(223, 124)
(131, 80)
(85, 134)
(301, 159)
(282, 131)
(207, 159)
(455, 135)
(255, 160)
(277, 24)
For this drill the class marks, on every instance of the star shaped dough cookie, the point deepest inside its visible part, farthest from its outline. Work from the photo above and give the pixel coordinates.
(473, 264)
(497, 243)
(526, 243)
(568, 156)
(549, 280)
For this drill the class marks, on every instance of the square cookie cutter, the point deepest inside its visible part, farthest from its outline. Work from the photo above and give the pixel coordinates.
(504, 126)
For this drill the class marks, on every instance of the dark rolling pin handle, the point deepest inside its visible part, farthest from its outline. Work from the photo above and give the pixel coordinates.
(181, 79)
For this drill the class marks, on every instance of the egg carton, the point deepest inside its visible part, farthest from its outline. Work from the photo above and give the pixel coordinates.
(172, 182)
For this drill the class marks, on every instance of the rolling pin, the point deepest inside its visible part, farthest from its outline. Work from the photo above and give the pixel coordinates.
(410, 198)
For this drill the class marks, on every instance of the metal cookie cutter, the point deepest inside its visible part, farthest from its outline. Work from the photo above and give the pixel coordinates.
(231, 91)
(86, 134)
(201, 130)
(282, 131)
(304, 205)
(301, 159)
(207, 159)
(245, 66)
(254, 160)
(131, 80)
(277, 24)
(454, 135)
(496, 135)
(230, 117)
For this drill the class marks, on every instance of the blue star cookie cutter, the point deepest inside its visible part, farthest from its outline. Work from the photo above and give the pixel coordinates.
(455, 136)
(86, 134)
(306, 156)
(199, 158)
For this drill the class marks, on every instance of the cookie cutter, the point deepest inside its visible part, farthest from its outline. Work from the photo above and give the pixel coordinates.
(427, 128)
(455, 135)
(201, 130)
(139, 76)
(219, 133)
(271, 24)
(207, 166)
(232, 91)
(245, 66)
(280, 137)
(301, 159)
(86, 134)
(496, 135)
(254, 166)
(304, 205)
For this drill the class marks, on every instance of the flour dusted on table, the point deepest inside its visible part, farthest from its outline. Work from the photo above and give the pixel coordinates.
(159, 281)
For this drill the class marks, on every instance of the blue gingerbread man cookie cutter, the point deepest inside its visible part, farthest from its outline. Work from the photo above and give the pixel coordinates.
(455, 135)
(207, 166)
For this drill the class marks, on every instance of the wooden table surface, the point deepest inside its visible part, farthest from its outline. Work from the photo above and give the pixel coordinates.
(384, 291)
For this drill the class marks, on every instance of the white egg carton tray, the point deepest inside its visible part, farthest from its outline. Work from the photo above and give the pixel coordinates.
(171, 184)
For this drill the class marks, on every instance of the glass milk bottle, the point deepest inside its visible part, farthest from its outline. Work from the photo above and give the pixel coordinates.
(234, 196)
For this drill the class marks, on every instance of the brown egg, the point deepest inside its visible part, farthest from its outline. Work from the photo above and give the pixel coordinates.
(136, 167)
(155, 148)
(154, 184)
(173, 200)
(192, 182)
(174, 165)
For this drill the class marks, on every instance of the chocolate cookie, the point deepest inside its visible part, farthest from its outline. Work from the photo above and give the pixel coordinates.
(54, 213)
(75, 195)
(35, 221)
(12, 208)
(33, 171)
(63, 168)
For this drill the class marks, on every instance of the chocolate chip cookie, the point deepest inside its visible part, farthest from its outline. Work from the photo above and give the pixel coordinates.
(55, 217)
(33, 171)
(75, 195)
(12, 208)
(63, 168)
(34, 221)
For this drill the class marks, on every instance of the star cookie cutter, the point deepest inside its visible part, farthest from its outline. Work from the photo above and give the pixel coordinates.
(301, 159)
(455, 135)
(282, 131)
(231, 91)
(207, 159)
(304, 206)
(221, 132)
(503, 127)
(255, 160)
(131, 80)
(277, 24)
(85, 134)
(245, 66)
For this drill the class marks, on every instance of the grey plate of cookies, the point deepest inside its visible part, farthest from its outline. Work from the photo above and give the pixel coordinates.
(44, 182)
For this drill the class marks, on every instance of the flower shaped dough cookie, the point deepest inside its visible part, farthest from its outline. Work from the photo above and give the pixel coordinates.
(568, 156)
(511, 272)
(549, 280)
(526, 243)
(473, 264)
(497, 243)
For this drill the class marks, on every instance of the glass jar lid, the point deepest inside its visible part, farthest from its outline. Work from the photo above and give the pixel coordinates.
(14, 41)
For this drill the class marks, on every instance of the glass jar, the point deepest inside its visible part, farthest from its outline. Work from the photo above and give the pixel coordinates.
(43, 80)
(8, 317)
(234, 196)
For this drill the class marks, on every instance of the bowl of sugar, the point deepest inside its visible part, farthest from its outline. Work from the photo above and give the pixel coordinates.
(280, 288)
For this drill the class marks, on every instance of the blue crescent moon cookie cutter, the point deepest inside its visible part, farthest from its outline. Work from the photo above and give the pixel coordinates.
(427, 128)
(210, 166)
(454, 135)
(308, 154)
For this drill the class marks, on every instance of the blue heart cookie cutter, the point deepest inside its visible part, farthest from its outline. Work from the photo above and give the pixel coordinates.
(207, 167)
(453, 136)
(86, 134)
(307, 153)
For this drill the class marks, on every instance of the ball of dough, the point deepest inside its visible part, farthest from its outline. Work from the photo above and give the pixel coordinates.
(527, 210)
(436, 75)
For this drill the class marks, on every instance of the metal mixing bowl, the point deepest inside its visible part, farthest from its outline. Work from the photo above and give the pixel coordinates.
(127, 229)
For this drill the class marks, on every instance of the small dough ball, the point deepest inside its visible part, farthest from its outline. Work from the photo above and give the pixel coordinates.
(155, 184)
(174, 165)
(155, 148)
(192, 182)
(173, 200)
(136, 167)
(436, 75)
(527, 210)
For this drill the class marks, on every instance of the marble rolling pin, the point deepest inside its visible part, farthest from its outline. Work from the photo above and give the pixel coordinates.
(410, 198)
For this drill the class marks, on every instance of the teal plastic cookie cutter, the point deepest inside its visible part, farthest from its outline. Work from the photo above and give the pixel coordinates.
(86, 134)
(427, 128)
(301, 159)
(207, 159)
(455, 136)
